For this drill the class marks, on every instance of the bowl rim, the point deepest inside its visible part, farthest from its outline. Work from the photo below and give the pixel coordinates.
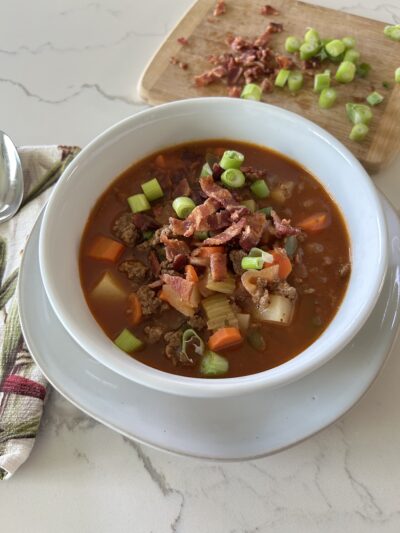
(200, 387)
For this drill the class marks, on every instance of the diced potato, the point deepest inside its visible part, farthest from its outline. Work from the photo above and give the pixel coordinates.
(108, 288)
(282, 192)
(279, 311)
(243, 321)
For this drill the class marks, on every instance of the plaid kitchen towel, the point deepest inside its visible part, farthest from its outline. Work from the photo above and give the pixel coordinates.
(22, 386)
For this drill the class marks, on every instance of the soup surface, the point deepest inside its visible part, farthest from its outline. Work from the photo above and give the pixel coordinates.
(214, 259)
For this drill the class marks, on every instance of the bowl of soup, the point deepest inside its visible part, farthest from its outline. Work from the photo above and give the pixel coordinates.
(213, 246)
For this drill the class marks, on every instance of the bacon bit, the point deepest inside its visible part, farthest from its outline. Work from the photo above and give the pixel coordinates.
(235, 91)
(284, 61)
(282, 227)
(253, 231)
(183, 41)
(144, 222)
(218, 267)
(267, 86)
(227, 235)
(182, 188)
(174, 247)
(268, 11)
(220, 8)
(274, 27)
(154, 263)
(174, 61)
(180, 285)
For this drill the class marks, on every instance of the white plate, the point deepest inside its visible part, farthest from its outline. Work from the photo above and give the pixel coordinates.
(257, 425)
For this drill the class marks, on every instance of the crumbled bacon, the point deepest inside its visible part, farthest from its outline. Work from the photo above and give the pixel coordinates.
(174, 247)
(154, 263)
(180, 261)
(183, 41)
(252, 173)
(284, 61)
(235, 91)
(252, 232)
(174, 61)
(282, 227)
(220, 8)
(268, 11)
(197, 220)
(218, 267)
(274, 27)
(144, 222)
(182, 188)
(216, 192)
(227, 235)
(180, 285)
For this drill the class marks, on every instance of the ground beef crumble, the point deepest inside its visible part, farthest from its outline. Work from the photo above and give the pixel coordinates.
(125, 229)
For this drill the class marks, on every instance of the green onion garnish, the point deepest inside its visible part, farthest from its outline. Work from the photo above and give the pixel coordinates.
(352, 55)
(183, 206)
(152, 189)
(213, 364)
(322, 81)
(292, 44)
(282, 77)
(251, 91)
(252, 263)
(358, 113)
(393, 32)
(265, 256)
(349, 42)
(190, 336)
(128, 342)
(250, 204)
(233, 178)
(358, 132)
(266, 211)
(138, 203)
(231, 159)
(397, 75)
(335, 48)
(260, 189)
(295, 81)
(205, 171)
(147, 234)
(345, 72)
(201, 235)
(309, 50)
(327, 98)
(363, 70)
(311, 36)
(291, 245)
(375, 98)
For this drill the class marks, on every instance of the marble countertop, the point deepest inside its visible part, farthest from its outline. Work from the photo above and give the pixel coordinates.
(68, 70)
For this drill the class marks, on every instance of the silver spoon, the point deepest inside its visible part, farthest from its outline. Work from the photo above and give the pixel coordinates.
(11, 178)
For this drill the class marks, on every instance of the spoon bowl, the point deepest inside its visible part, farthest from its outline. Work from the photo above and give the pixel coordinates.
(11, 178)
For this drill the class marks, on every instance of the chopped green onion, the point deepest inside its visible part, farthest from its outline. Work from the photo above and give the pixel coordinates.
(322, 81)
(183, 206)
(311, 36)
(393, 32)
(266, 211)
(309, 50)
(352, 55)
(292, 44)
(291, 245)
(200, 235)
(213, 364)
(358, 113)
(335, 48)
(374, 98)
(282, 77)
(346, 72)
(191, 337)
(295, 81)
(358, 132)
(322, 54)
(152, 189)
(128, 342)
(233, 178)
(258, 252)
(256, 340)
(250, 204)
(386, 85)
(363, 70)
(327, 98)
(147, 234)
(349, 42)
(252, 263)
(231, 159)
(138, 203)
(260, 189)
(205, 171)
(251, 91)
(397, 75)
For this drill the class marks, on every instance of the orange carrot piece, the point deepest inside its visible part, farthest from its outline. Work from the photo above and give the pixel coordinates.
(285, 265)
(206, 251)
(315, 222)
(106, 249)
(191, 274)
(136, 307)
(224, 338)
(160, 161)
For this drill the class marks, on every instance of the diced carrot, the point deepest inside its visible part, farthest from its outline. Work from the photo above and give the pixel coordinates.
(160, 161)
(315, 222)
(224, 338)
(285, 266)
(206, 251)
(136, 309)
(106, 249)
(191, 274)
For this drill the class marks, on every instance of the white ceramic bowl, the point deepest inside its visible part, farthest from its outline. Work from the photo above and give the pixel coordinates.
(199, 119)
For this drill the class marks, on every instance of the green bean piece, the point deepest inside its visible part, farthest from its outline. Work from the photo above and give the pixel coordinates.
(393, 32)
(291, 245)
(363, 70)
(359, 132)
(256, 340)
(358, 113)
(375, 98)
(147, 234)
(335, 48)
(397, 75)
(295, 81)
(349, 42)
(346, 72)
(266, 211)
(352, 55)
(251, 91)
(282, 77)
(327, 98)
(322, 81)
(292, 44)
(308, 50)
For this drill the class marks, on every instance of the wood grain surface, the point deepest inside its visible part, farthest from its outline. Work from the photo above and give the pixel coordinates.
(163, 82)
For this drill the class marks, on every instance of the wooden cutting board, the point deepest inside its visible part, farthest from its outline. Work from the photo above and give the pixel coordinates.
(163, 81)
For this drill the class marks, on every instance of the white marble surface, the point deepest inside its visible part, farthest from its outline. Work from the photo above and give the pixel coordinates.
(68, 69)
